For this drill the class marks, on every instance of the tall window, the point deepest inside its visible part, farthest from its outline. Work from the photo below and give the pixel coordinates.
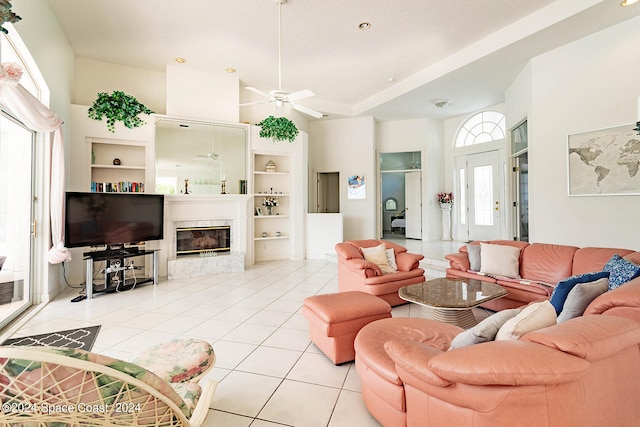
(486, 126)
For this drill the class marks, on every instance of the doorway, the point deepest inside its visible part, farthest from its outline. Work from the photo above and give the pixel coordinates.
(521, 205)
(401, 195)
(16, 217)
(328, 192)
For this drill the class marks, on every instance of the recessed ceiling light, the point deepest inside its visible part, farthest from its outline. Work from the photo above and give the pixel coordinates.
(364, 26)
(181, 60)
(230, 70)
(628, 2)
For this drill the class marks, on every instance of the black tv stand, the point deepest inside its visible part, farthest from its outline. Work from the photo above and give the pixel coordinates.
(116, 268)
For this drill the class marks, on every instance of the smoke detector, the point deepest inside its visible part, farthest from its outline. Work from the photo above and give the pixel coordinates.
(441, 103)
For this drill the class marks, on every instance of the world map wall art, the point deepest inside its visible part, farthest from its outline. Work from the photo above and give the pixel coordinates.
(605, 162)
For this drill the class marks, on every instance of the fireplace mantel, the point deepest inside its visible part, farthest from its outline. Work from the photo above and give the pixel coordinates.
(201, 209)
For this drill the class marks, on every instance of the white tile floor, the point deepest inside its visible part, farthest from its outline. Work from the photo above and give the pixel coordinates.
(269, 372)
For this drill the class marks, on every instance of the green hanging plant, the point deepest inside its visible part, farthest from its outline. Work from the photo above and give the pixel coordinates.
(118, 107)
(6, 15)
(278, 129)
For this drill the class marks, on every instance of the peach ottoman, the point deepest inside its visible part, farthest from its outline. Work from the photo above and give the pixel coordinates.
(335, 319)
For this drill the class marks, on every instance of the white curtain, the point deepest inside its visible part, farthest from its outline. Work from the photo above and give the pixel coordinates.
(36, 116)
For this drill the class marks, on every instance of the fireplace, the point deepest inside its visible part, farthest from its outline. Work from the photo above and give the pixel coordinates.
(203, 240)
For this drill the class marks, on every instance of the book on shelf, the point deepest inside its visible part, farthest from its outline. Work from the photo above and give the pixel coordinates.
(117, 187)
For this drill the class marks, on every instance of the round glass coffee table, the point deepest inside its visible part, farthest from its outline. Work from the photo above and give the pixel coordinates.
(452, 299)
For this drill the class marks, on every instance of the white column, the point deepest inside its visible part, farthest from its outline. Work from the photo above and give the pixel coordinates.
(446, 220)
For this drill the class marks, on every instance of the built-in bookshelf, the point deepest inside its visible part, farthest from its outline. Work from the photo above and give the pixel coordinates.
(272, 230)
(118, 165)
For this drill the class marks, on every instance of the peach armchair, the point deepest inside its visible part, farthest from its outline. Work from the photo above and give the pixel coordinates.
(355, 273)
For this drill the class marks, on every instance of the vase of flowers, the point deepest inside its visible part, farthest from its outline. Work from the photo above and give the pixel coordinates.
(270, 203)
(445, 200)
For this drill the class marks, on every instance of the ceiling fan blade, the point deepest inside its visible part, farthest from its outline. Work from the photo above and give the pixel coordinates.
(258, 91)
(251, 103)
(307, 110)
(301, 94)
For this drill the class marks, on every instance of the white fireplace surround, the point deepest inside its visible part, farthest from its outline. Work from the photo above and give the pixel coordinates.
(193, 210)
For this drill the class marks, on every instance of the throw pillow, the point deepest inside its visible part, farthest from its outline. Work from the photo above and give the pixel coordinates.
(484, 331)
(562, 289)
(378, 256)
(535, 316)
(501, 260)
(621, 271)
(391, 259)
(473, 251)
(581, 296)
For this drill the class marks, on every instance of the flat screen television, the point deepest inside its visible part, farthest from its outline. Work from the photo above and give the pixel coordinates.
(112, 219)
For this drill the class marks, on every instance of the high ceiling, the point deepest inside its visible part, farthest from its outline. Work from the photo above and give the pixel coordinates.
(416, 51)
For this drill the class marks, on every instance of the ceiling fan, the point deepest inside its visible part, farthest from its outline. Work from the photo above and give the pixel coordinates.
(278, 96)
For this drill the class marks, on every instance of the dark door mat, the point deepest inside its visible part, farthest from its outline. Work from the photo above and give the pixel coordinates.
(80, 338)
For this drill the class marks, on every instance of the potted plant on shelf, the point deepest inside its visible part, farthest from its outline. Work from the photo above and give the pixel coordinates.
(118, 107)
(278, 129)
(270, 203)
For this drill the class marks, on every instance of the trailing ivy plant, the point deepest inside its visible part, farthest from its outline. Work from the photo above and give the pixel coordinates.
(278, 129)
(6, 15)
(118, 107)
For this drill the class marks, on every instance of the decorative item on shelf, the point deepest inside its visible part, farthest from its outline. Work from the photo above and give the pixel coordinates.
(637, 128)
(264, 234)
(118, 107)
(186, 186)
(270, 166)
(93, 157)
(270, 203)
(278, 234)
(6, 15)
(278, 129)
(243, 186)
(223, 187)
(116, 162)
(446, 200)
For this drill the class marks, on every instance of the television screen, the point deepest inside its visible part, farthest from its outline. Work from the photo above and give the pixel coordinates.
(98, 219)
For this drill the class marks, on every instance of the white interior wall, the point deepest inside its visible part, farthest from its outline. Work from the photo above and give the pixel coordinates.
(587, 85)
(92, 77)
(425, 135)
(347, 146)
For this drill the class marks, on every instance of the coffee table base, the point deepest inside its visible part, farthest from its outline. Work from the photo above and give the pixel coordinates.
(462, 318)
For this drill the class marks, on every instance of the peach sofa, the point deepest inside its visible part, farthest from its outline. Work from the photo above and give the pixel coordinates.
(539, 262)
(357, 274)
(581, 372)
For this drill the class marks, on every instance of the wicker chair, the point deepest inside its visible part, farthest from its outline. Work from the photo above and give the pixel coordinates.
(42, 386)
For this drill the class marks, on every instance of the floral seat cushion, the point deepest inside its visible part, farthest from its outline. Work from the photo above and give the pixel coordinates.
(66, 384)
(189, 392)
(178, 360)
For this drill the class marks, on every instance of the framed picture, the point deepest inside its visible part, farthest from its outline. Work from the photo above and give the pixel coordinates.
(356, 188)
(604, 162)
(259, 211)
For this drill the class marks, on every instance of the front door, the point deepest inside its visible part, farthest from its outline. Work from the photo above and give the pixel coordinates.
(413, 205)
(484, 196)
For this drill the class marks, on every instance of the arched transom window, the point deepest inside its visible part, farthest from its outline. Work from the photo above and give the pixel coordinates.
(486, 126)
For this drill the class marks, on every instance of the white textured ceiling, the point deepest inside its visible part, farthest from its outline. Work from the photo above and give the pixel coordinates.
(464, 50)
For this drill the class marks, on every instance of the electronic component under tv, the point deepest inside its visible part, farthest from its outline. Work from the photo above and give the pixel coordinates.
(112, 219)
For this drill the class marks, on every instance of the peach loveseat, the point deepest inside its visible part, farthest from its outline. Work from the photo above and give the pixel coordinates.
(581, 372)
(357, 274)
(538, 262)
